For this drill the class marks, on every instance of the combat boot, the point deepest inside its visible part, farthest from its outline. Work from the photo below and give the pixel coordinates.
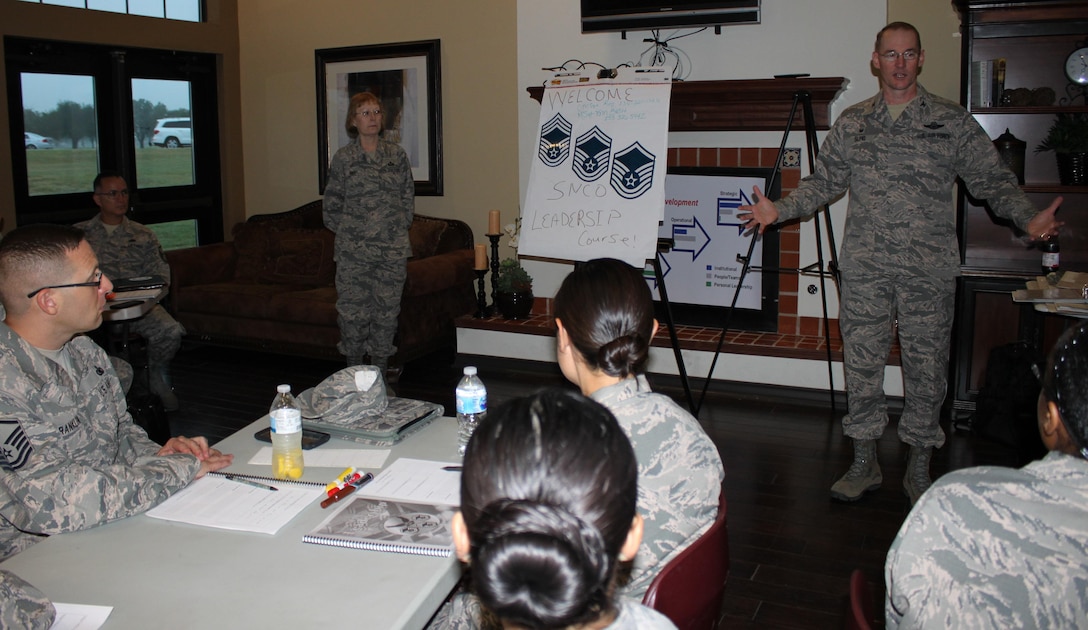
(863, 475)
(916, 479)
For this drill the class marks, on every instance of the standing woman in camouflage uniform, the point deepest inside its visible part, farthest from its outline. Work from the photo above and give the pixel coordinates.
(605, 316)
(369, 202)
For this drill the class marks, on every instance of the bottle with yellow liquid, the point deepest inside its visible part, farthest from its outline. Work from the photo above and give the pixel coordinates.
(286, 421)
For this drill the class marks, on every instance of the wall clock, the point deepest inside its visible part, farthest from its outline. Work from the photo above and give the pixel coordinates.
(1076, 66)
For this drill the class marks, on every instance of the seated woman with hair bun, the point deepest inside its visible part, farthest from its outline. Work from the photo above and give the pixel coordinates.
(548, 493)
(605, 316)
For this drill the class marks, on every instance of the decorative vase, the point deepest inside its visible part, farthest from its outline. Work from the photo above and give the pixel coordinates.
(1012, 150)
(515, 305)
(1073, 169)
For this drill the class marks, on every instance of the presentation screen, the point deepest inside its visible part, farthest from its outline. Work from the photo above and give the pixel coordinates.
(702, 270)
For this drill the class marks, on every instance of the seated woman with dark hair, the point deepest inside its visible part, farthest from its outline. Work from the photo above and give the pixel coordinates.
(548, 495)
(996, 547)
(605, 317)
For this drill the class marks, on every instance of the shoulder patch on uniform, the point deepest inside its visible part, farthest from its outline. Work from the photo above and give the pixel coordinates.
(16, 448)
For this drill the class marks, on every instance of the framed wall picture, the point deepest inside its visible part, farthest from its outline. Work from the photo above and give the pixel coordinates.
(406, 78)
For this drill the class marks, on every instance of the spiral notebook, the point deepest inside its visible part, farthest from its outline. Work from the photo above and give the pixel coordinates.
(387, 525)
(406, 509)
(239, 502)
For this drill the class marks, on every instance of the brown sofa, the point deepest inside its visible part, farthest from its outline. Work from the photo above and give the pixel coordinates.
(272, 287)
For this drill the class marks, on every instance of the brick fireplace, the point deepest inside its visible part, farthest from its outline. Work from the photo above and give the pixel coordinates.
(735, 105)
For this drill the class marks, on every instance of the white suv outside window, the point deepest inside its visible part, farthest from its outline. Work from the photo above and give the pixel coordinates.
(172, 133)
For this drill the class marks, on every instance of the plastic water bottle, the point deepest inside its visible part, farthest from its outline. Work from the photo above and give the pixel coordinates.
(471, 406)
(286, 435)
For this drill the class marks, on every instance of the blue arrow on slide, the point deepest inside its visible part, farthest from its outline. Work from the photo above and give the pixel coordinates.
(689, 239)
(727, 209)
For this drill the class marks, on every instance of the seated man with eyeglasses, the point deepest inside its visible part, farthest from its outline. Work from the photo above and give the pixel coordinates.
(71, 457)
(127, 249)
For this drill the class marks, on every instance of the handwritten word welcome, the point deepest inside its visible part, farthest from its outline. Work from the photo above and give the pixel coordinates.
(588, 95)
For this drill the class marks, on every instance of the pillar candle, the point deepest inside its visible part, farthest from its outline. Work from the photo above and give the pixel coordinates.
(481, 256)
(493, 222)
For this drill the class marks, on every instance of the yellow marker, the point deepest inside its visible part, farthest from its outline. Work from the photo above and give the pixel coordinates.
(344, 476)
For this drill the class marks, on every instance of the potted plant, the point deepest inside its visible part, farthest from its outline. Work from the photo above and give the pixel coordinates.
(513, 290)
(1068, 139)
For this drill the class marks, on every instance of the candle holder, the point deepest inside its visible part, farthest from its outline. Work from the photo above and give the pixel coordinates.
(494, 238)
(481, 297)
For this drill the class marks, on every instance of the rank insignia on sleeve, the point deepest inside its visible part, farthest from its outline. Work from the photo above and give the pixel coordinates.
(16, 447)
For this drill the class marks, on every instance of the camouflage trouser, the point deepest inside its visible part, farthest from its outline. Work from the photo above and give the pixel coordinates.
(163, 334)
(871, 306)
(367, 303)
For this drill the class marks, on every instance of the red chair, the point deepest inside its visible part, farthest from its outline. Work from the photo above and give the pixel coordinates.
(861, 613)
(689, 589)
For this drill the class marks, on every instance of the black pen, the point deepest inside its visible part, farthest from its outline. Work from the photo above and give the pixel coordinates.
(250, 482)
(452, 468)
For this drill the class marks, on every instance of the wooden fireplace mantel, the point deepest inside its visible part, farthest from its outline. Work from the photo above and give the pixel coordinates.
(744, 105)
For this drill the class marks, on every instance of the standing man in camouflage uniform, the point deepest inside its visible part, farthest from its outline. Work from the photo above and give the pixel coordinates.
(71, 457)
(369, 203)
(994, 547)
(898, 153)
(126, 249)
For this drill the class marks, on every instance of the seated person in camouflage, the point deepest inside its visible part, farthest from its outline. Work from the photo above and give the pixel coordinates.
(605, 317)
(22, 605)
(995, 547)
(120, 366)
(126, 249)
(72, 457)
(547, 515)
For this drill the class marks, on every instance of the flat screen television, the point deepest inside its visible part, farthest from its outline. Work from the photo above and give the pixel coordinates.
(643, 15)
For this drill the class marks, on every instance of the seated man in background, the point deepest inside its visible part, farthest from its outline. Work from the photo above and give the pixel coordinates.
(126, 249)
(996, 547)
(71, 456)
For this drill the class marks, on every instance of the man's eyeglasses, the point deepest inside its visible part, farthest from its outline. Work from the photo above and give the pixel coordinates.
(367, 113)
(97, 282)
(114, 193)
(907, 55)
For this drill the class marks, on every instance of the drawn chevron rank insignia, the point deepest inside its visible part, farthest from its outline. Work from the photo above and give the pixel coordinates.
(15, 448)
(591, 152)
(555, 141)
(632, 171)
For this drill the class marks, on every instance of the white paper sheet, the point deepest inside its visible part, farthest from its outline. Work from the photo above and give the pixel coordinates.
(215, 501)
(79, 616)
(417, 480)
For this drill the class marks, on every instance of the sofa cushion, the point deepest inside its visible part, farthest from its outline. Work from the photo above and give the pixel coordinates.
(424, 235)
(300, 256)
(307, 306)
(251, 245)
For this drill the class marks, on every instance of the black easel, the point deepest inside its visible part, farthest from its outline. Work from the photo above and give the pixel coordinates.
(664, 245)
(803, 98)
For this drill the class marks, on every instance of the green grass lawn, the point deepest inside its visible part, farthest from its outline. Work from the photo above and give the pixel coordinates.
(59, 171)
(175, 234)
